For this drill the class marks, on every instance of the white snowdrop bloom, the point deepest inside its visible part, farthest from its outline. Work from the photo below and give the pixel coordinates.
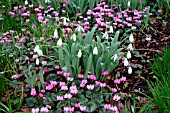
(36, 48)
(130, 47)
(129, 55)
(115, 57)
(37, 61)
(128, 3)
(79, 54)
(59, 42)
(126, 62)
(47, 1)
(64, 20)
(106, 36)
(56, 33)
(111, 29)
(79, 28)
(131, 39)
(95, 51)
(40, 53)
(130, 70)
(73, 37)
(26, 2)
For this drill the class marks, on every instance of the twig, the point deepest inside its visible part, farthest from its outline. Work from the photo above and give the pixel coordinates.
(149, 50)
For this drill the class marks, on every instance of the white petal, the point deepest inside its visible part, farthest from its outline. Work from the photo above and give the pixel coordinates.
(37, 61)
(131, 39)
(130, 70)
(60, 43)
(95, 51)
(129, 55)
(79, 54)
(126, 62)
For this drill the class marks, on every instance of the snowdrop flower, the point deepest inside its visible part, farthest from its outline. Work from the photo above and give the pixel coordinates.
(55, 33)
(130, 47)
(60, 43)
(126, 62)
(131, 39)
(73, 37)
(37, 49)
(35, 110)
(128, 55)
(95, 51)
(115, 57)
(79, 28)
(79, 54)
(106, 36)
(47, 1)
(37, 61)
(111, 29)
(130, 70)
(64, 20)
(128, 3)
(26, 2)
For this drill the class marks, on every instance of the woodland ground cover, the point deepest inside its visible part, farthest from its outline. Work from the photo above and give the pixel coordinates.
(105, 56)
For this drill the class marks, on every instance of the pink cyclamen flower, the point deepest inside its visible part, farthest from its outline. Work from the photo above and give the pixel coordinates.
(123, 79)
(82, 108)
(120, 106)
(77, 105)
(90, 87)
(27, 86)
(97, 83)
(70, 79)
(48, 106)
(44, 62)
(114, 109)
(53, 83)
(84, 82)
(107, 106)
(64, 88)
(49, 87)
(62, 84)
(59, 98)
(17, 60)
(16, 76)
(67, 96)
(71, 109)
(102, 85)
(44, 110)
(35, 110)
(33, 92)
(66, 74)
(104, 73)
(80, 76)
(43, 91)
(117, 81)
(116, 98)
(114, 90)
(57, 67)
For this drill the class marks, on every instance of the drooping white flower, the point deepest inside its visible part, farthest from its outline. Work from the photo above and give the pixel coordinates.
(106, 36)
(47, 1)
(40, 53)
(130, 46)
(64, 20)
(95, 51)
(79, 28)
(26, 2)
(128, 55)
(73, 37)
(130, 70)
(56, 33)
(111, 29)
(36, 48)
(131, 39)
(59, 42)
(37, 61)
(115, 57)
(128, 3)
(126, 62)
(79, 54)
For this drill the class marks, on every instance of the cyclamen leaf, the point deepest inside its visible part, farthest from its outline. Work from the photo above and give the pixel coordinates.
(91, 107)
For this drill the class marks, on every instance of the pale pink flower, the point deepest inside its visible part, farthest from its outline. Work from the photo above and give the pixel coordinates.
(64, 88)
(102, 85)
(59, 98)
(123, 79)
(77, 105)
(116, 98)
(44, 62)
(83, 108)
(120, 106)
(67, 96)
(35, 110)
(114, 90)
(48, 106)
(44, 110)
(71, 109)
(33, 92)
(17, 60)
(62, 84)
(117, 81)
(66, 74)
(80, 76)
(84, 82)
(104, 73)
(42, 91)
(70, 79)
(114, 109)
(16, 76)
(107, 106)
(97, 83)
(90, 87)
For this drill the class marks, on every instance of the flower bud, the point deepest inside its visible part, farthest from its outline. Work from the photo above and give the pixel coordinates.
(131, 39)
(126, 62)
(60, 43)
(128, 55)
(130, 70)
(79, 54)
(95, 51)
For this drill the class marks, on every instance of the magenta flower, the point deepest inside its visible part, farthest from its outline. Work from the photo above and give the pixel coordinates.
(49, 87)
(97, 83)
(70, 79)
(53, 83)
(123, 79)
(104, 73)
(83, 108)
(48, 106)
(114, 109)
(77, 105)
(57, 67)
(114, 90)
(62, 84)
(107, 106)
(66, 74)
(120, 106)
(80, 76)
(33, 92)
(64, 88)
(44, 62)
(71, 109)
(16, 76)
(42, 91)
(27, 86)
(17, 60)
(117, 81)
(102, 85)
(84, 82)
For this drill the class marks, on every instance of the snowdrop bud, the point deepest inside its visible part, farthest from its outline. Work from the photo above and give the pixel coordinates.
(73, 37)
(111, 29)
(115, 57)
(128, 3)
(79, 54)
(36, 48)
(130, 46)
(130, 70)
(56, 33)
(128, 55)
(37, 61)
(131, 39)
(126, 62)
(60, 43)
(26, 2)
(40, 53)
(95, 51)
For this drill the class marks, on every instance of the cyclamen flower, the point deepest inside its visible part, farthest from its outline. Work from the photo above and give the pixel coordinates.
(71, 109)
(80, 76)
(70, 79)
(33, 92)
(66, 74)
(90, 87)
(49, 87)
(116, 98)
(77, 105)
(64, 88)
(53, 83)
(83, 81)
(62, 84)
(67, 96)
(44, 62)
(104, 73)
(16, 76)
(35, 110)
(91, 77)
(83, 108)
(59, 98)
(44, 110)
(114, 90)
(102, 85)
(55, 33)
(114, 109)
(123, 79)
(117, 81)
(107, 106)
(97, 83)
